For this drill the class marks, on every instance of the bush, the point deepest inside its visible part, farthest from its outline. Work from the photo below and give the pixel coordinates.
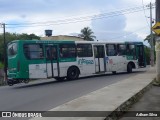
(1, 65)
(147, 53)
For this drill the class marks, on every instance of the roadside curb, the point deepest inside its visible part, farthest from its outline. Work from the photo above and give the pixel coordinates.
(124, 107)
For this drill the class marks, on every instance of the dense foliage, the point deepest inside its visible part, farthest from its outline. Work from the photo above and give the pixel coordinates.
(147, 54)
(148, 39)
(147, 49)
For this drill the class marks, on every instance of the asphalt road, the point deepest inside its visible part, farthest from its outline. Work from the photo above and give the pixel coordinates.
(43, 95)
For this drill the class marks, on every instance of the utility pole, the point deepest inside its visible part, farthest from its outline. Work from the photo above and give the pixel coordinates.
(5, 53)
(158, 45)
(151, 40)
(157, 10)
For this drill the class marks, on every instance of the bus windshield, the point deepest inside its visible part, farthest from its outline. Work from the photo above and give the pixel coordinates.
(12, 49)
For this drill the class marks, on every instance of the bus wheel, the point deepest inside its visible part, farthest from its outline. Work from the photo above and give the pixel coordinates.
(72, 73)
(114, 72)
(26, 81)
(10, 83)
(60, 78)
(129, 68)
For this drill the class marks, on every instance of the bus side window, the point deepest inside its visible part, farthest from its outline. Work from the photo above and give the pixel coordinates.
(121, 49)
(95, 52)
(111, 50)
(130, 49)
(48, 53)
(26, 53)
(67, 51)
(51, 53)
(84, 50)
(33, 51)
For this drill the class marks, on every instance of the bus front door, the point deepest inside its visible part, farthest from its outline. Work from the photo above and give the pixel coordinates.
(99, 55)
(52, 61)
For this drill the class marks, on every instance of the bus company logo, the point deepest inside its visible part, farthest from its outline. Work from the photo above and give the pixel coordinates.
(21, 114)
(84, 61)
(6, 114)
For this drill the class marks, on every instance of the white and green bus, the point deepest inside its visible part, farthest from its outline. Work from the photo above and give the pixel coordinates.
(34, 59)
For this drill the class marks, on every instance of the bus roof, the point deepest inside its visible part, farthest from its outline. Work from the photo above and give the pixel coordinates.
(71, 41)
(42, 41)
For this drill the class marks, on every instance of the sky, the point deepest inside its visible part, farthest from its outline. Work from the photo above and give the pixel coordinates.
(68, 17)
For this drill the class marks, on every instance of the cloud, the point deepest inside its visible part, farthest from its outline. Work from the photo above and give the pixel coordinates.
(26, 11)
(45, 6)
(109, 28)
(38, 29)
(128, 27)
(119, 29)
(110, 24)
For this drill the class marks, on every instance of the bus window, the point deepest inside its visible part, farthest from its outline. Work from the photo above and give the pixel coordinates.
(12, 49)
(95, 52)
(51, 53)
(111, 50)
(130, 49)
(84, 50)
(33, 51)
(121, 49)
(67, 51)
(99, 51)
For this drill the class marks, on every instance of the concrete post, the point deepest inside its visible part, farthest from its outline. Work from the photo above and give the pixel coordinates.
(151, 40)
(157, 48)
(158, 62)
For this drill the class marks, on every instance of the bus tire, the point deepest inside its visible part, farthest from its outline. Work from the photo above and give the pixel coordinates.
(113, 72)
(129, 68)
(73, 73)
(60, 78)
(26, 81)
(10, 83)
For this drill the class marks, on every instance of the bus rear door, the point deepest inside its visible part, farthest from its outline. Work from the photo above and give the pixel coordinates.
(52, 61)
(140, 55)
(99, 54)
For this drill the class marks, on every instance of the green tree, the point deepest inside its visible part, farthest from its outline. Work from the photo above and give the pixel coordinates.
(87, 34)
(147, 54)
(25, 36)
(148, 38)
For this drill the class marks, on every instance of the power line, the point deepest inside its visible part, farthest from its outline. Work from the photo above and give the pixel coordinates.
(68, 22)
(77, 18)
(129, 33)
(145, 13)
(80, 19)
